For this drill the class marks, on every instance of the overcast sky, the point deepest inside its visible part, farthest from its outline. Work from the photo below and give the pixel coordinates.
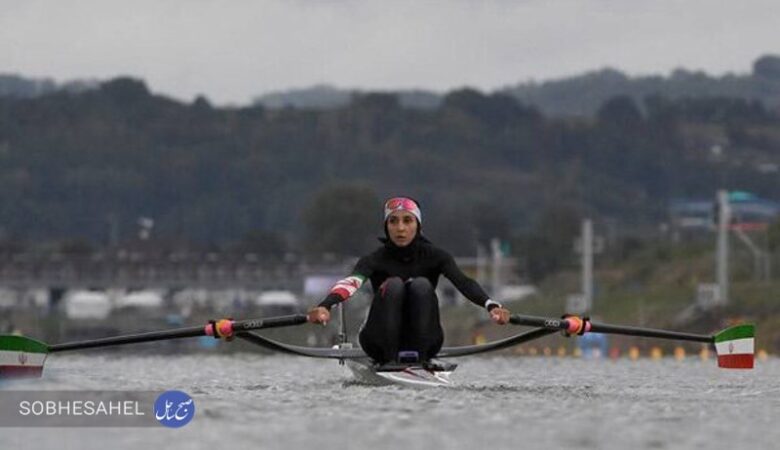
(234, 50)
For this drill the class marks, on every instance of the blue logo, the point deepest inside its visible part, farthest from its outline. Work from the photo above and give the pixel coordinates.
(174, 409)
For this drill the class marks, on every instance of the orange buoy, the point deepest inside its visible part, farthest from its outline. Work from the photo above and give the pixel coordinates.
(704, 354)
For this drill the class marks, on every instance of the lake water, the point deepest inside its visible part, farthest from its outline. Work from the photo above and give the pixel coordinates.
(269, 402)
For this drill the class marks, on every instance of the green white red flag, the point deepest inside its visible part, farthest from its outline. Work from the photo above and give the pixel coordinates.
(735, 347)
(21, 357)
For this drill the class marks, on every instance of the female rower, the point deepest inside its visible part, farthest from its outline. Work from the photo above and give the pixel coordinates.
(404, 314)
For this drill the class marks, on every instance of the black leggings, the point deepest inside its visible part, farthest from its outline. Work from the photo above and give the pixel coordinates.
(404, 316)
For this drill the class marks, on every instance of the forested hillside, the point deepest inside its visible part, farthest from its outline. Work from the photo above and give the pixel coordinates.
(579, 95)
(79, 165)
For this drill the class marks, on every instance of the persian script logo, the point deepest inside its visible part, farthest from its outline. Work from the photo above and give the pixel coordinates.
(731, 347)
(174, 409)
(22, 358)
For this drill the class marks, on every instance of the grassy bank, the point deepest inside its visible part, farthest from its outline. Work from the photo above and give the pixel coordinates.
(654, 288)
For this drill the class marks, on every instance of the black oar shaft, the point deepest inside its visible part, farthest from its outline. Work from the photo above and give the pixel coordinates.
(563, 324)
(239, 325)
(649, 332)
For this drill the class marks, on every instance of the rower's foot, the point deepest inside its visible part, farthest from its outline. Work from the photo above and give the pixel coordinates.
(434, 365)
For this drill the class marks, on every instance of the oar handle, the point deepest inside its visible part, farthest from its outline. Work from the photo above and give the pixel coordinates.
(569, 325)
(231, 326)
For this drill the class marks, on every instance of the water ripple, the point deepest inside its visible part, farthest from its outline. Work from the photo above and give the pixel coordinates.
(284, 402)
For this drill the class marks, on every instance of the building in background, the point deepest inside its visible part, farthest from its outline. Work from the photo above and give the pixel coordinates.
(690, 217)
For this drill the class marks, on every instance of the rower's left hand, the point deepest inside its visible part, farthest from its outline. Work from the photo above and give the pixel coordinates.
(499, 315)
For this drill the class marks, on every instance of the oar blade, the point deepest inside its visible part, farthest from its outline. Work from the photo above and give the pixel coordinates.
(735, 347)
(21, 357)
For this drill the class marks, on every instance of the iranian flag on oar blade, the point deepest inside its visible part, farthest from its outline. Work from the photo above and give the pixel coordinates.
(734, 347)
(21, 357)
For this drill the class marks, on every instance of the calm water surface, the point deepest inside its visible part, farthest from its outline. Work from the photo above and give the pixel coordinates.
(270, 402)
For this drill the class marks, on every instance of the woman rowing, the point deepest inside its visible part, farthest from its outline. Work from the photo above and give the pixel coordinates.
(404, 272)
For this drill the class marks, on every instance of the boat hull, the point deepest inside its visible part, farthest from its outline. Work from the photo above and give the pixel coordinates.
(415, 376)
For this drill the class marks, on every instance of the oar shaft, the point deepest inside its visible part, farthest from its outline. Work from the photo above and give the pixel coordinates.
(129, 339)
(649, 332)
(239, 325)
(563, 324)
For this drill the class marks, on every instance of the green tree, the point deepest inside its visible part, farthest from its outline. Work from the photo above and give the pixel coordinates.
(767, 66)
(548, 248)
(620, 111)
(774, 235)
(342, 219)
(267, 244)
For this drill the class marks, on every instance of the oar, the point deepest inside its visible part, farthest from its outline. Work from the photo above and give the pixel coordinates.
(21, 356)
(734, 346)
(223, 328)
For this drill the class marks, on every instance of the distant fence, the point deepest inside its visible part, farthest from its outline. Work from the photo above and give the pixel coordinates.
(172, 271)
(128, 269)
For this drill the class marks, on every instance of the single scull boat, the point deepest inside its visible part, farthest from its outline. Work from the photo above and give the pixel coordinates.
(24, 357)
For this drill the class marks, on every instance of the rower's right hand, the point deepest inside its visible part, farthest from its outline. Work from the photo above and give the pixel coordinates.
(318, 314)
(500, 315)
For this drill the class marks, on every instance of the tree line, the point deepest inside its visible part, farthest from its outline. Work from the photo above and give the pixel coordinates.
(85, 166)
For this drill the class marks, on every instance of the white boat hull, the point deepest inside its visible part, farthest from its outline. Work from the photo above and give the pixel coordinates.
(411, 376)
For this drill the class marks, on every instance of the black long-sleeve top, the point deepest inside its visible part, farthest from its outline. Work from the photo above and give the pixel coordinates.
(421, 258)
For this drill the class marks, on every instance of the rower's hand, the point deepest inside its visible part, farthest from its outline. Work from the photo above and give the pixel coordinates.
(319, 314)
(499, 315)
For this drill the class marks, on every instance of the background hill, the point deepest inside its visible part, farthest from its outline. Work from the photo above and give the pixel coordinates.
(580, 95)
(88, 164)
